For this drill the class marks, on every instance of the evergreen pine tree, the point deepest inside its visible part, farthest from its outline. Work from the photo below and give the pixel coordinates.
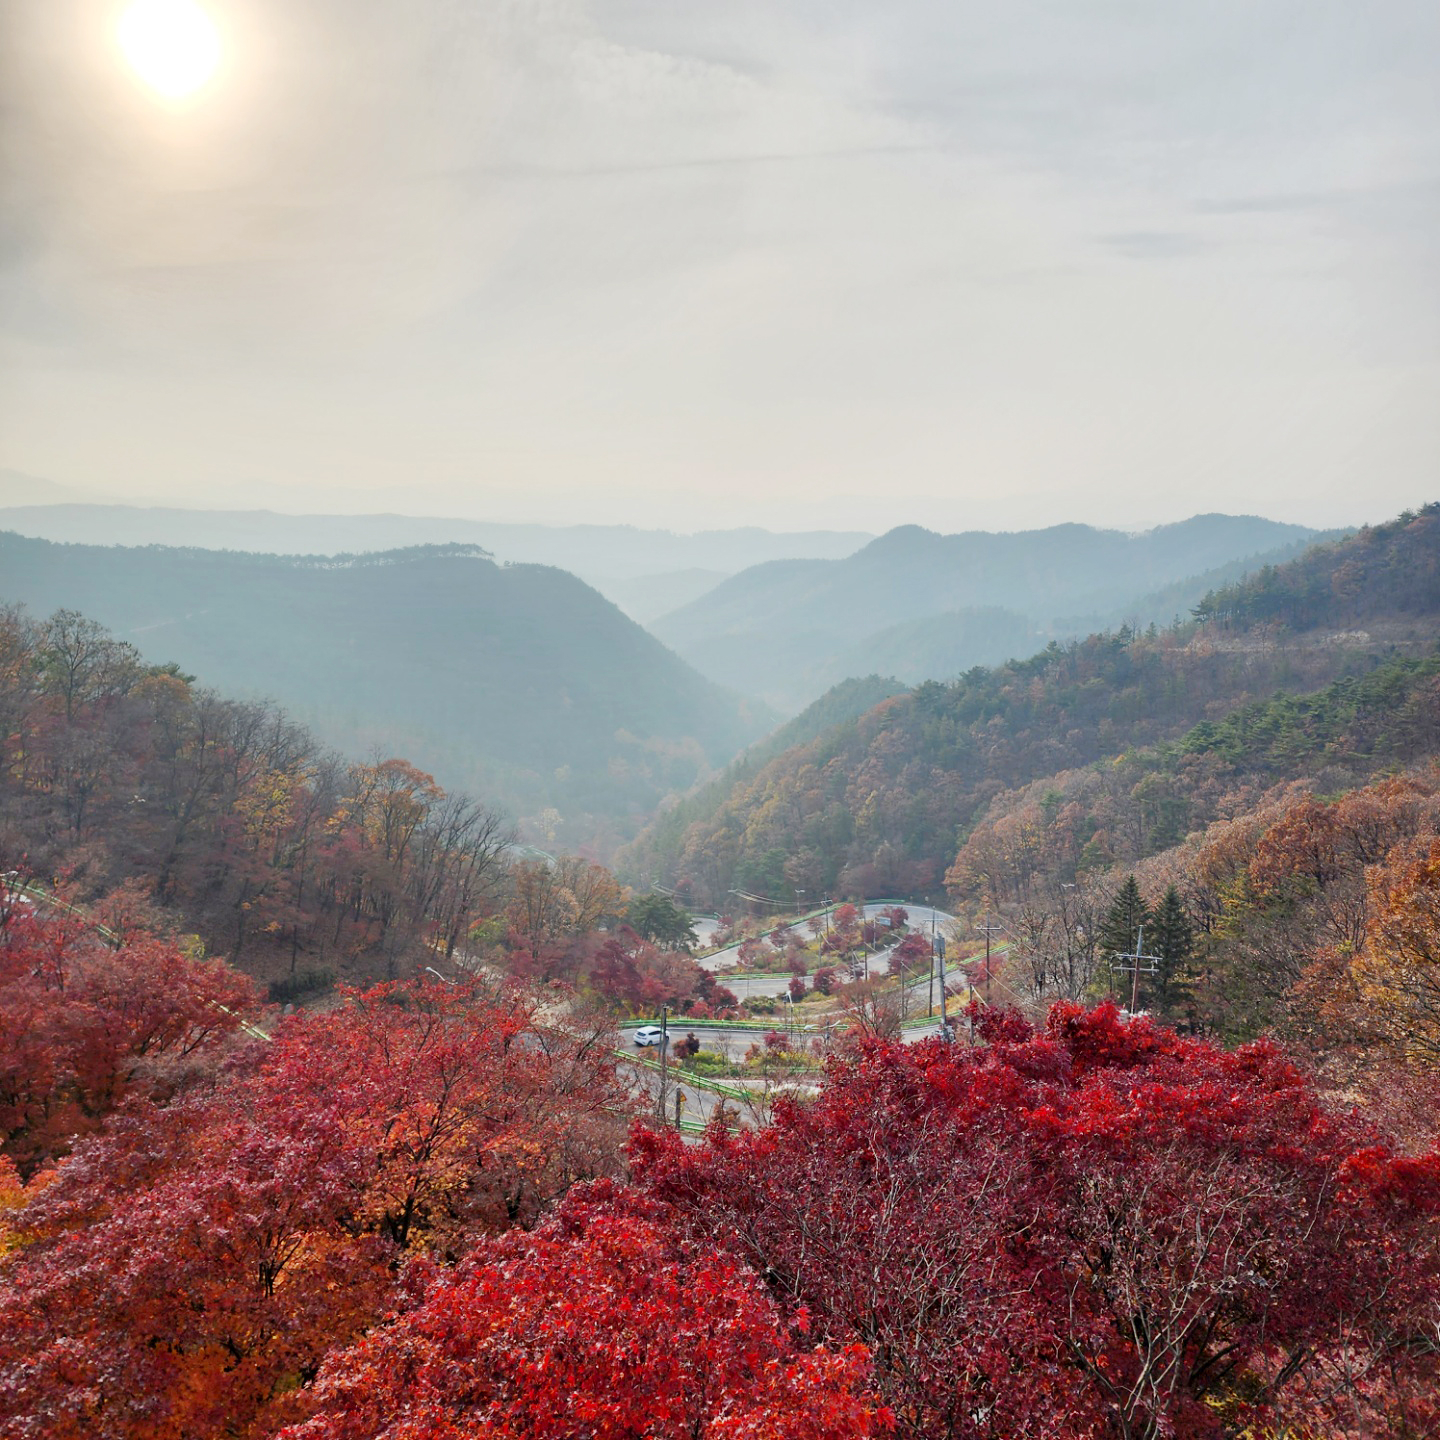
(1127, 913)
(1172, 938)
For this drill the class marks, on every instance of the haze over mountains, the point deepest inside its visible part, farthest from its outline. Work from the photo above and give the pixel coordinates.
(919, 605)
(1326, 669)
(647, 572)
(519, 683)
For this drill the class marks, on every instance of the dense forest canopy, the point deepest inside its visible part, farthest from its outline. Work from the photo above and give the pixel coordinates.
(125, 778)
(415, 1216)
(1385, 572)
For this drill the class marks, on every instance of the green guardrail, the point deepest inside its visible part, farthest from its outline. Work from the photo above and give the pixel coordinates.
(689, 1022)
(685, 1127)
(754, 974)
(698, 1082)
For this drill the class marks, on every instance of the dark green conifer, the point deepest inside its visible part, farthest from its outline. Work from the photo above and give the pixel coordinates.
(1171, 937)
(1127, 913)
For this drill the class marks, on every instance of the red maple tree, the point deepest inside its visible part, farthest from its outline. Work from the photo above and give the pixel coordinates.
(597, 1324)
(186, 1272)
(85, 1023)
(1099, 1229)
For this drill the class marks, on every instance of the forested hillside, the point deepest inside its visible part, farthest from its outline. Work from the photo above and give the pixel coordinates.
(880, 805)
(165, 803)
(928, 606)
(1386, 572)
(519, 682)
(838, 707)
(934, 647)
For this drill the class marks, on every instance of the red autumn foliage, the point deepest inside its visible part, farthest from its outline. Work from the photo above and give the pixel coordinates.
(1097, 1230)
(597, 1324)
(187, 1271)
(84, 1025)
(912, 953)
(1100, 1229)
(631, 971)
(178, 1273)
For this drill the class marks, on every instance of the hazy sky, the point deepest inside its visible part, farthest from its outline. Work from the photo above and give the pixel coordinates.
(707, 262)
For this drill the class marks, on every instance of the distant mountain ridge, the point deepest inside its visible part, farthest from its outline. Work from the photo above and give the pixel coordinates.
(519, 683)
(627, 563)
(798, 626)
(877, 805)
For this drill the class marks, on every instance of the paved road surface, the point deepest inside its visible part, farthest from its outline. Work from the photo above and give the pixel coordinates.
(734, 1043)
(705, 928)
(699, 1104)
(922, 917)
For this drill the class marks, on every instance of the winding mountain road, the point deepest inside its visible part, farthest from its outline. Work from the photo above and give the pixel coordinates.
(924, 918)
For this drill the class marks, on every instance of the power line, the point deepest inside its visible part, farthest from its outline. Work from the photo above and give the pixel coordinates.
(989, 927)
(1140, 964)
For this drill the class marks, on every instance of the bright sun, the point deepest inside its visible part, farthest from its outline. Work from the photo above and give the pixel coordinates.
(172, 44)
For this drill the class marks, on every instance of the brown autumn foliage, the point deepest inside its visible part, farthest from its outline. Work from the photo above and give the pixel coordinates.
(1393, 991)
(279, 854)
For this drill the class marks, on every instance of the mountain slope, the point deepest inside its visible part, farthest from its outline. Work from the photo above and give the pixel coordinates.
(668, 833)
(785, 629)
(878, 805)
(936, 645)
(517, 682)
(645, 597)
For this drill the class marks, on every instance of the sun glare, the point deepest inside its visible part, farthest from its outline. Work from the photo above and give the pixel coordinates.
(172, 45)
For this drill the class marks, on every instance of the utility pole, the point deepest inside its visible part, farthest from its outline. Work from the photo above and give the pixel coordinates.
(664, 1058)
(989, 927)
(944, 1016)
(1140, 963)
(930, 988)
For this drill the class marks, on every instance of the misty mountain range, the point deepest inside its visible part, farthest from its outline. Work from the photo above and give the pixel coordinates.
(646, 572)
(520, 682)
(917, 605)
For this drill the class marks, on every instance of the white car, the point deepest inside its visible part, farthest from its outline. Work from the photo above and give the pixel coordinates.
(649, 1035)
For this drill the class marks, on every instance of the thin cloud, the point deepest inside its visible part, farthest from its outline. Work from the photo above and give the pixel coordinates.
(766, 261)
(1154, 244)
